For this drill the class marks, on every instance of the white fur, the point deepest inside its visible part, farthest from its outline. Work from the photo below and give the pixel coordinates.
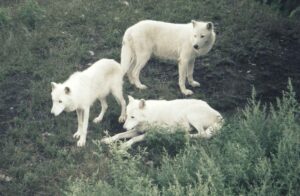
(184, 113)
(83, 88)
(168, 41)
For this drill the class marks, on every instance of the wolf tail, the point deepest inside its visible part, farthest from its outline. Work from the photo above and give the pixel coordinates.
(127, 52)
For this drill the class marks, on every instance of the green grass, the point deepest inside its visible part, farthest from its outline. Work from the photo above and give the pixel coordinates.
(256, 153)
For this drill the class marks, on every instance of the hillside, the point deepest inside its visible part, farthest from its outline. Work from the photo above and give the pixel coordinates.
(257, 46)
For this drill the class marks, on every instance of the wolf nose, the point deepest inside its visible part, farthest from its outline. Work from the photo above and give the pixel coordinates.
(196, 47)
(52, 112)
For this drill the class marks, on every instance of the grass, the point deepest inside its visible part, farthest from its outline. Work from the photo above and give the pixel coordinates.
(257, 153)
(44, 41)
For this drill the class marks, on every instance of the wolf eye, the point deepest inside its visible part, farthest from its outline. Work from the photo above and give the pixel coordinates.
(132, 117)
(202, 36)
(60, 101)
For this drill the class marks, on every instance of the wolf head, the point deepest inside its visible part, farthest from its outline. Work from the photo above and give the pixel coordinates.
(202, 32)
(135, 115)
(61, 99)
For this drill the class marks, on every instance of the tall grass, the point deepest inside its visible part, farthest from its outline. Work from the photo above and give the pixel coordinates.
(257, 153)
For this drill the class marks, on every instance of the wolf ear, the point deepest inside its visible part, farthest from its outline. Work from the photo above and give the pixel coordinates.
(53, 85)
(67, 90)
(142, 104)
(209, 25)
(194, 22)
(130, 98)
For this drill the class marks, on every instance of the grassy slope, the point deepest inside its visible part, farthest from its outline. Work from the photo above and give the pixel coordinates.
(47, 41)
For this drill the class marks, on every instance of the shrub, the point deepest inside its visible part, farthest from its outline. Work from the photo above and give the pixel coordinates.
(256, 153)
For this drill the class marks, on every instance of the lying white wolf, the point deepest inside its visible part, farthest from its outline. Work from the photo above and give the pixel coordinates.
(83, 88)
(178, 42)
(184, 113)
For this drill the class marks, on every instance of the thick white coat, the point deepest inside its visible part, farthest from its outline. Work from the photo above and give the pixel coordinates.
(179, 42)
(81, 90)
(183, 113)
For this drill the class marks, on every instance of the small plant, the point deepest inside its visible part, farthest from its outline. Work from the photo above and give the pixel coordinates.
(4, 17)
(30, 13)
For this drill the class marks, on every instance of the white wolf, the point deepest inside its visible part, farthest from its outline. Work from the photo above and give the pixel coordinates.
(178, 42)
(184, 113)
(83, 88)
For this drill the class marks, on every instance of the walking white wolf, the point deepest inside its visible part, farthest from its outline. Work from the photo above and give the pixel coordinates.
(178, 42)
(183, 113)
(83, 88)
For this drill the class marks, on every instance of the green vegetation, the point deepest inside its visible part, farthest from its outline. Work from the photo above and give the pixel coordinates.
(256, 153)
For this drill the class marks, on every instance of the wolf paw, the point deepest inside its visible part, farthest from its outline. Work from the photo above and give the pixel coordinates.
(208, 134)
(131, 80)
(141, 86)
(77, 135)
(187, 92)
(97, 120)
(195, 84)
(106, 140)
(81, 142)
(122, 119)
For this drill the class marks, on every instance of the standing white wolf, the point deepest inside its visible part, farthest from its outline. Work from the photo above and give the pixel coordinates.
(83, 88)
(178, 42)
(184, 113)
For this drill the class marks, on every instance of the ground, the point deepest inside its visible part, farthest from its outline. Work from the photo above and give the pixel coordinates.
(45, 41)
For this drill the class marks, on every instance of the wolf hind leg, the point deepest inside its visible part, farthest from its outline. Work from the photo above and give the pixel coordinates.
(141, 60)
(104, 107)
(201, 133)
(117, 92)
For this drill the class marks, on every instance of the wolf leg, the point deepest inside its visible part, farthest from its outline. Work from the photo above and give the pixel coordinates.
(82, 139)
(126, 134)
(182, 69)
(104, 107)
(80, 120)
(190, 72)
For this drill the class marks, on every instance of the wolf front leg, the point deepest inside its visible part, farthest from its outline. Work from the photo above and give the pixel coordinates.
(80, 120)
(190, 72)
(126, 134)
(182, 69)
(82, 139)
(132, 141)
